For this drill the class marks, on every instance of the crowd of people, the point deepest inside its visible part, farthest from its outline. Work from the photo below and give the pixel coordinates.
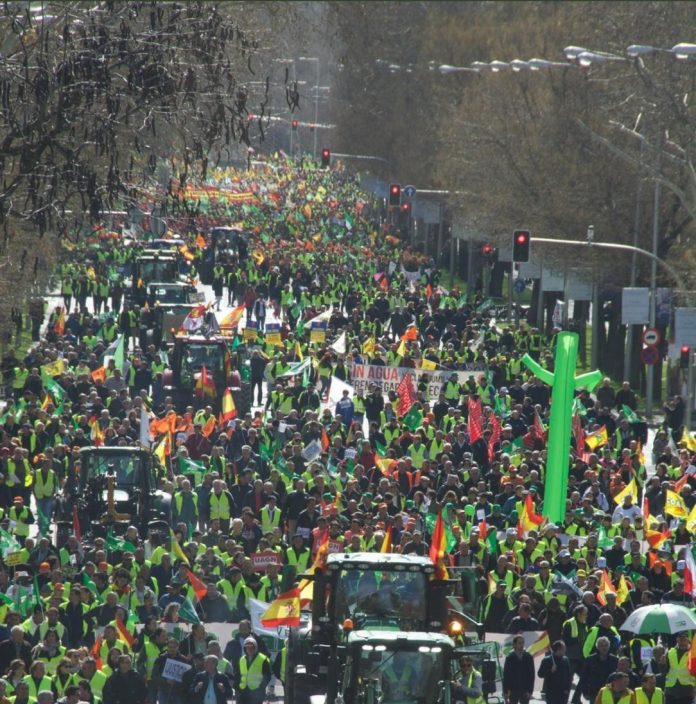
(461, 432)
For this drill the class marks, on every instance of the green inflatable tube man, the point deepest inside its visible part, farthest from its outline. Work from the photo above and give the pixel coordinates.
(563, 383)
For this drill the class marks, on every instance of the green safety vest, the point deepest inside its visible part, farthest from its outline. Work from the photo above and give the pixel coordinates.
(22, 528)
(251, 674)
(417, 455)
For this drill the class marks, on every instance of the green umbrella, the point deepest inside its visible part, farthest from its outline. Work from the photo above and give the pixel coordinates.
(660, 618)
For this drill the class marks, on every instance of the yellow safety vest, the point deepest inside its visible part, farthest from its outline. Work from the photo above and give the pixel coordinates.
(21, 528)
(251, 674)
(268, 524)
(658, 696)
(232, 591)
(417, 455)
(45, 684)
(608, 697)
(219, 507)
(179, 501)
(678, 669)
(474, 700)
(12, 469)
(299, 561)
(44, 490)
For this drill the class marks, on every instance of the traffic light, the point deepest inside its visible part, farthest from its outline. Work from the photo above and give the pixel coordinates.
(325, 158)
(394, 194)
(684, 354)
(520, 246)
(487, 250)
(293, 124)
(406, 208)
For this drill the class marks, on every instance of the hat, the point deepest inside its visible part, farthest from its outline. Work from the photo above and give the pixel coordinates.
(564, 553)
(250, 641)
(581, 573)
(601, 562)
(681, 564)
(615, 676)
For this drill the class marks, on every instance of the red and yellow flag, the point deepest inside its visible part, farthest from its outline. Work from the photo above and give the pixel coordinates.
(205, 386)
(606, 587)
(284, 610)
(99, 374)
(231, 320)
(199, 587)
(387, 542)
(438, 547)
(59, 326)
(209, 427)
(228, 410)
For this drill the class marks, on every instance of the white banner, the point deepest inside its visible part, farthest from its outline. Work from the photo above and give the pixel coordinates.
(635, 306)
(388, 378)
(336, 391)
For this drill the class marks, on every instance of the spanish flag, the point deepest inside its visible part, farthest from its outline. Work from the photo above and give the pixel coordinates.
(606, 587)
(283, 611)
(163, 449)
(228, 410)
(209, 427)
(205, 386)
(655, 538)
(124, 634)
(438, 547)
(97, 434)
(387, 542)
(231, 320)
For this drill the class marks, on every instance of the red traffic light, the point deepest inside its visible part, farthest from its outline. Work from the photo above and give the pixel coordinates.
(522, 237)
(521, 241)
(684, 356)
(406, 207)
(325, 157)
(394, 194)
(294, 124)
(487, 249)
(685, 349)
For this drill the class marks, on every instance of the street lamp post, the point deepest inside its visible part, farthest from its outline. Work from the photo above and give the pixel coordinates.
(316, 98)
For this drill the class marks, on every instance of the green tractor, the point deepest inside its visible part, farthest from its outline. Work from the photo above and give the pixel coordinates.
(364, 592)
(409, 667)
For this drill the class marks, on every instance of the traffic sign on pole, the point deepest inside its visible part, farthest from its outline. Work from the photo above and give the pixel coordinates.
(650, 355)
(409, 191)
(651, 336)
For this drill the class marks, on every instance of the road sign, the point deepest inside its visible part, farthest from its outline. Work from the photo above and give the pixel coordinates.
(635, 306)
(520, 285)
(650, 355)
(409, 191)
(651, 336)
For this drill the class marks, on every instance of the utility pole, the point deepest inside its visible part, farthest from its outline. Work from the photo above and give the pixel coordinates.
(650, 374)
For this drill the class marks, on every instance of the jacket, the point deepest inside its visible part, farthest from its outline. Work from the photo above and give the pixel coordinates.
(518, 673)
(557, 683)
(199, 686)
(125, 688)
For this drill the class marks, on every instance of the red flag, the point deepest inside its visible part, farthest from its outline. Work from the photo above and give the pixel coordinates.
(325, 444)
(406, 394)
(77, 531)
(606, 587)
(483, 530)
(384, 283)
(655, 538)
(438, 547)
(96, 651)
(496, 433)
(209, 427)
(124, 633)
(646, 510)
(680, 482)
(199, 588)
(475, 421)
(532, 515)
(428, 291)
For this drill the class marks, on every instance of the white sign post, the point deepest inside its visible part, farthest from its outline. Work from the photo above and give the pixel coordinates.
(635, 306)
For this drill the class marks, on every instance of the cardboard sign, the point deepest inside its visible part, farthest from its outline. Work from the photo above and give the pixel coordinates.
(174, 670)
(261, 560)
(273, 335)
(13, 559)
(250, 331)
